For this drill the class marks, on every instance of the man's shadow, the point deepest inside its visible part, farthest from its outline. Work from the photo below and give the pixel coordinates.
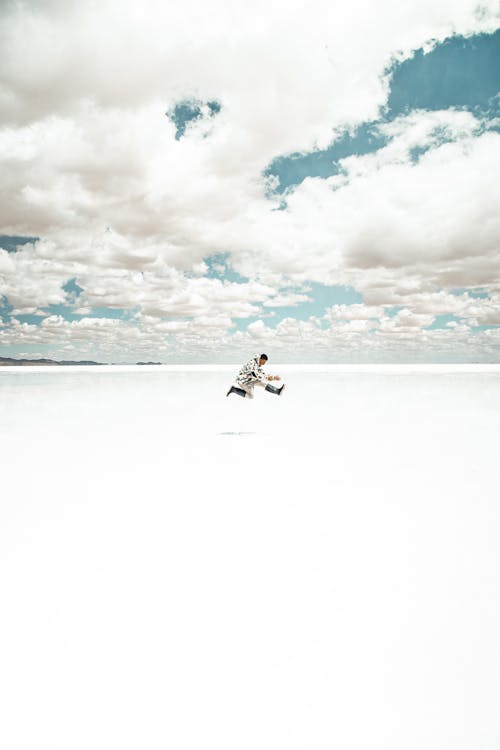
(237, 433)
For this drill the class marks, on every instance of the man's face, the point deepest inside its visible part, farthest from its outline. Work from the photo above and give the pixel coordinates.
(262, 362)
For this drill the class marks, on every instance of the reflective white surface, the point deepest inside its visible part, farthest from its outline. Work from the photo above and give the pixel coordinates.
(180, 569)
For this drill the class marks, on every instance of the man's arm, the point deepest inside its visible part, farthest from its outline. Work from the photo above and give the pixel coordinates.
(259, 373)
(263, 377)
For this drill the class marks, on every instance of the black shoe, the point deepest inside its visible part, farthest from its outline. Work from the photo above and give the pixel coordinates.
(238, 391)
(273, 389)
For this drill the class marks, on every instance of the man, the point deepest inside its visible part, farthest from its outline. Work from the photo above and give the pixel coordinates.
(252, 374)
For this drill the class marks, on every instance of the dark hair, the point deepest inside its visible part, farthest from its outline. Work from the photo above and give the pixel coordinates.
(264, 356)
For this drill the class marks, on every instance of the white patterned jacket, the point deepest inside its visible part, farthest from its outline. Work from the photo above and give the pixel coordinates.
(251, 372)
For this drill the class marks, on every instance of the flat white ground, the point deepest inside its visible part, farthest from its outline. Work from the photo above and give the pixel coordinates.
(182, 570)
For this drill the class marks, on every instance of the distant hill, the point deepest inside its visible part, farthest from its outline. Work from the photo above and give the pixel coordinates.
(6, 361)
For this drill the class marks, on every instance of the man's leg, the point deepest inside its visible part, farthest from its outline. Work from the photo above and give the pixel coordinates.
(246, 391)
(273, 389)
(237, 390)
(270, 388)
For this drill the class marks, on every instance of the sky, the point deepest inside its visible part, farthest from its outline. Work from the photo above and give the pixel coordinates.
(198, 182)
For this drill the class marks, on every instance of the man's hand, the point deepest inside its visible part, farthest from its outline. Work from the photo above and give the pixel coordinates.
(273, 377)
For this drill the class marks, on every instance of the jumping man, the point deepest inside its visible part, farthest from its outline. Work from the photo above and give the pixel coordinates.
(252, 374)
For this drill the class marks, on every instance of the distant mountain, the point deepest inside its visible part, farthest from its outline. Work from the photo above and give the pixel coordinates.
(5, 361)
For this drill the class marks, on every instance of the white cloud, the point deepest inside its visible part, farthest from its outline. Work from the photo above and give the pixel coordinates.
(86, 145)
(392, 227)
(353, 312)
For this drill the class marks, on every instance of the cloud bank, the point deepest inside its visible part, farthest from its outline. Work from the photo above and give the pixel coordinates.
(128, 204)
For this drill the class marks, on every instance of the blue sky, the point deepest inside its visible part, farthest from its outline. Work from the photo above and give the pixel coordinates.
(225, 240)
(459, 73)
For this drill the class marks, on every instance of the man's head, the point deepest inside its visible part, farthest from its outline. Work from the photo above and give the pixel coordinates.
(262, 359)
